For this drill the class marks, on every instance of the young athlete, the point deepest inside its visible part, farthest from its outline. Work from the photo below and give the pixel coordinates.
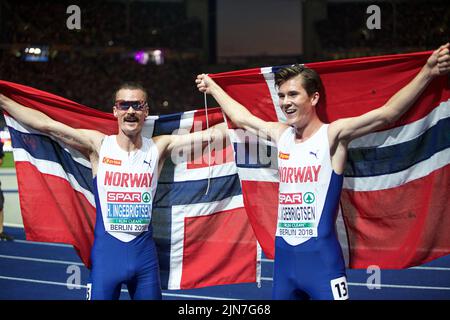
(308, 258)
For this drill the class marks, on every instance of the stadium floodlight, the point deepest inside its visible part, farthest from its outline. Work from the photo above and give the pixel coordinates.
(36, 53)
(158, 57)
(141, 57)
(146, 56)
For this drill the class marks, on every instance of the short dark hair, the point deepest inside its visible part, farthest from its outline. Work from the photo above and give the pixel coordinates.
(130, 86)
(311, 79)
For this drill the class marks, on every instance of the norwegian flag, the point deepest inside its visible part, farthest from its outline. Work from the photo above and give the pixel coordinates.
(202, 232)
(395, 211)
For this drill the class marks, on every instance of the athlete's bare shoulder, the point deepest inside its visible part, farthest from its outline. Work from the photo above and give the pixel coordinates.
(333, 131)
(95, 137)
(338, 147)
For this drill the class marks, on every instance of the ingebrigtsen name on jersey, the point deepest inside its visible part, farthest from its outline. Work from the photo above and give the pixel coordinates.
(123, 179)
(307, 213)
(299, 174)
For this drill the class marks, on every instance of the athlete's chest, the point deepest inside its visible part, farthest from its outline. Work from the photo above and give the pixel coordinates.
(118, 168)
(301, 163)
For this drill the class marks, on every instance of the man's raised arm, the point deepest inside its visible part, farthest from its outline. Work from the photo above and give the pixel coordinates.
(237, 113)
(85, 141)
(351, 128)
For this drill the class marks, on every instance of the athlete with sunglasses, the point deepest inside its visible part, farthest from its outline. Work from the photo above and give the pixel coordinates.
(125, 169)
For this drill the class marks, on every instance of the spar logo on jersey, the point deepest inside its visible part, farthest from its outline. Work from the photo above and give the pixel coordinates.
(146, 197)
(112, 162)
(128, 197)
(290, 198)
(283, 156)
(309, 197)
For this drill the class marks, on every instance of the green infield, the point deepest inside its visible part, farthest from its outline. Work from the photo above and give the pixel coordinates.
(8, 160)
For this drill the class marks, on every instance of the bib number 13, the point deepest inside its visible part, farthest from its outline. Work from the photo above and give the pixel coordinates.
(339, 288)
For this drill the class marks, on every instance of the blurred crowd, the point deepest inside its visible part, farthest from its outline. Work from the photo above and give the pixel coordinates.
(92, 80)
(86, 65)
(405, 26)
(104, 23)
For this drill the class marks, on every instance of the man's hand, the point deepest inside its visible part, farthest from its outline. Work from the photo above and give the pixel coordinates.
(204, 83)
(439, 62)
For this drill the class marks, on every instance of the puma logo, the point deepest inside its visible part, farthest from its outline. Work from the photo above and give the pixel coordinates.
(314, 154)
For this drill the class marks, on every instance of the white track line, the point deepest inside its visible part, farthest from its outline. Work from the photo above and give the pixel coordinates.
(191, 296)
(431, 268)
(216, 298)
(412, 268)
(81, 264)
(51, 244)
(78, 263)
(400, 286)
(42, 260)
(187, 296)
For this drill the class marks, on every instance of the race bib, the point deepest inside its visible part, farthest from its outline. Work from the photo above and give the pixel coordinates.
(297, 216)
(339, 288)
(128, 211)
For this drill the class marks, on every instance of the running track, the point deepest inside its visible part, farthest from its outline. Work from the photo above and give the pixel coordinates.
(39, 271)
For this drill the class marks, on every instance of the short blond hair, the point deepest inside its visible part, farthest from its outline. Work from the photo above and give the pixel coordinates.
(130, 86)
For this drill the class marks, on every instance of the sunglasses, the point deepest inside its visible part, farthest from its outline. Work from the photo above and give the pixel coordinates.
(125, 105)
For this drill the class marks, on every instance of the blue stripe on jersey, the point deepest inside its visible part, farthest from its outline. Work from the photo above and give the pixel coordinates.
(43, 148)
(365, 162)
(331, 205)
(99, 229)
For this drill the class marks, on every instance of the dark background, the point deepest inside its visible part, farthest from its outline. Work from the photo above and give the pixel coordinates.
(197, 36)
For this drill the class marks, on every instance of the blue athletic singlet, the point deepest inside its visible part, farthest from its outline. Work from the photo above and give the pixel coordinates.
(308, 257)
(124, 251)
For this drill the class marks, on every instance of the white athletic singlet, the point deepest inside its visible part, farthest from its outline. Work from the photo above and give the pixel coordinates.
(126, 184)
(305, 173)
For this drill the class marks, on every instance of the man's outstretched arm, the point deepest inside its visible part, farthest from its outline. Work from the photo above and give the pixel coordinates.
(85, 141)
(237, 113)
(351, 128)
(216, 135)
